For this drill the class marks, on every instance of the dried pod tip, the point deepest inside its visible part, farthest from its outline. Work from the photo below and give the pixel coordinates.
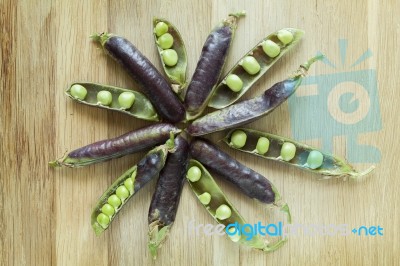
(312, 60)
(54, 164)
(355, 175)
(238, 14)
(100, 37)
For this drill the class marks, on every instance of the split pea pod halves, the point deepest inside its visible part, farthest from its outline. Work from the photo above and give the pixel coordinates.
(129, 102)
(289, 151)
(252, 66)
(222, 210)
(165, 201)
(247, 111)
(153, 83)
(131, 142)
(209, 66)
(172, 51)
(115, 197)
(251, 183)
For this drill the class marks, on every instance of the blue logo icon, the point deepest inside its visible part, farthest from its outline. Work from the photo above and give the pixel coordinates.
(339, 104)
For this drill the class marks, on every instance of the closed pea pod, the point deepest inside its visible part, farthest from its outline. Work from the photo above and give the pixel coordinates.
(166, 197)
(131, 142)
(258, 61)
(152, 82)
(225, 213)
(304, 156)
(247, 111)
(209, 66)
(251, 183)
(129, 102)
(116, 196)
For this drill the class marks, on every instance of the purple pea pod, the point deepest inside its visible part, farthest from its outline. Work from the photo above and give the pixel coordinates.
(135, 141)
(165, 201)
(247, 111)
(251, 183)
(209, 66)
(153, 83)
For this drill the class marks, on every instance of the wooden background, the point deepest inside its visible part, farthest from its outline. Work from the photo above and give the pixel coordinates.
(45, 213)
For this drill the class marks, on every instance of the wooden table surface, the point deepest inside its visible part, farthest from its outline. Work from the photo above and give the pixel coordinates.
(45, 213)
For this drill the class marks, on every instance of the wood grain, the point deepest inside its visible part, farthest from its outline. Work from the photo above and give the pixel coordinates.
(45, 213)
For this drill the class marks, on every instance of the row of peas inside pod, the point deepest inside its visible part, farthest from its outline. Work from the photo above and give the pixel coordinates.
(109, 97)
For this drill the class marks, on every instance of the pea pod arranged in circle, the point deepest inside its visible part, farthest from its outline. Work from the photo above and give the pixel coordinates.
(153, 83)
(165, 200)
(247, 111)
(129, 102)
(251, 183)
(131, 142)
(253, 65)
(126, 186)
(272, 147)
(210, 65)
(224, 212)
(170, 43)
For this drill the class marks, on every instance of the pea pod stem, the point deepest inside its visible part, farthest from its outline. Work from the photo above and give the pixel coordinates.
(331, 166)
(207, 184)
(247, 111)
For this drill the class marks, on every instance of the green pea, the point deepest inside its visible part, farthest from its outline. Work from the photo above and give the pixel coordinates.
(271, 49)
(285, 36)
(235, 236)
(194, 174)
(262, 145)
(250, 65)
(104, 97)
(161, 28)
(126, 99)
(108, 209)
(78, 91)
(315, 159)
(205, 198)
(129, 185)
(238, 139)
(223, 212)
(288, 151)
(114, 201)
(170, 57)
(103, 220)
(122, 192)
(234, 82)
(165, 41)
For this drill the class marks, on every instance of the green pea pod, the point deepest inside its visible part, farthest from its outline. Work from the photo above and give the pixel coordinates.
(126, 186)
(222, 210)
(268, 51)
(270, 147)
(168, 38)
(129, 102)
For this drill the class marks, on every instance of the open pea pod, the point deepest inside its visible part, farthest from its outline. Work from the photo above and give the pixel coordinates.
(289, 151)
(252, 66)
(172, 51)
(129, 102)
(126, 186)
(221, 209)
